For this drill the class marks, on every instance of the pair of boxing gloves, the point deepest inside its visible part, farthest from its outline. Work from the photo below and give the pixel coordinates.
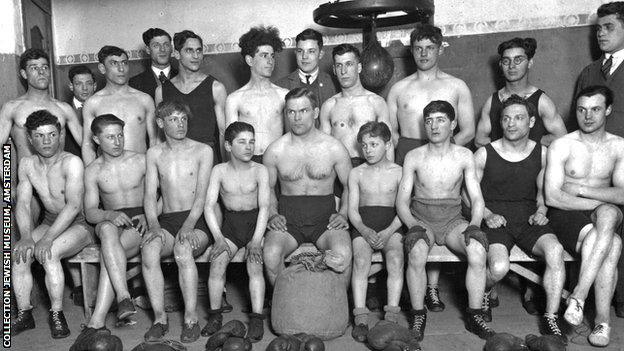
(297, 342)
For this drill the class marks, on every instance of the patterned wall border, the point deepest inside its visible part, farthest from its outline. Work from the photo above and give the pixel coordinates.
(460, 29)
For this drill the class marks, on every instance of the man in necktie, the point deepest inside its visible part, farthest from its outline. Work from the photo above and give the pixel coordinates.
(608, 70)
(158, 46)
(308, 52)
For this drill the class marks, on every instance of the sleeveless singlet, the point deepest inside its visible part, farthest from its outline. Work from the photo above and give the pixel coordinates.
(509, 188)
(202, 126)
(496, 108)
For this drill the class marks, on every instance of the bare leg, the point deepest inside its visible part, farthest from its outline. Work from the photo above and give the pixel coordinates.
(257, 286)
(604, 286)
(549, 248)
(152, 273)
(187, 273)
(216, 277)
(277, 245)
(394, 265)
(339, 242)
(415, 275)
(115, 253)
(433, 274)
(362, 255)
(497, 264)
(104, 300)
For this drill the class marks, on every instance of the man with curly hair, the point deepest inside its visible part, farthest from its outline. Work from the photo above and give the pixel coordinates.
(259, 102)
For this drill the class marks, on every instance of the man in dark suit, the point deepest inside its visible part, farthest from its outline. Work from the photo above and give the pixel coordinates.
(158, 43)
(309, 51)
(608, 70)
(82, 85)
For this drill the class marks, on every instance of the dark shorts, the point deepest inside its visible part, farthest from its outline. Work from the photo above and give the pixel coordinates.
(404, 146)
(239, 226)
(257, 158)
(172, 222)
(131, 212)
(49, 218)
(338, 188)
(523, 235)
(568, 224)
(438, 216)
(307, 216)
(377, 218)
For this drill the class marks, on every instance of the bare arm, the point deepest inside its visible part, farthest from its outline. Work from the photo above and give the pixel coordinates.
(231, 109)
(473, 189)
(73, 122)
(405, 191)
(220, 95)
(392, 115)
(203, 177)
(24, 197)
(264, 199)
(74, 192)
(150, 121)
(324, 116)
(613, 194)
(465, 116)
(484, 127)
(354, 201)
(554, 177)
(212, 196)
(541, 204)
(381, 111)
(480, 158)
(342, 168)
(150, 202)
(92, 197)
(270, 162)
(88, 147)
(552, 120)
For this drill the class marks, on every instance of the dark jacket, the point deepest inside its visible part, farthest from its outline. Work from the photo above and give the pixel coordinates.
(147, 81)
(325, 89)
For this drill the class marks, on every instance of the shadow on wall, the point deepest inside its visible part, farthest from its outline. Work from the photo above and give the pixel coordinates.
(561, 55)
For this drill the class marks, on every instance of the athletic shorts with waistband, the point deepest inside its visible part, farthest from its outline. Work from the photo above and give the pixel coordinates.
(568, 225)
(173, 221)
(521, 234)
(438, 216)
(307, 216)
(49, 218)
(239, 226)
(377, 218)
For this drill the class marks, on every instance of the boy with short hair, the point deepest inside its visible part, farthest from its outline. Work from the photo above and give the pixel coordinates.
(373, 188)
(244, 188)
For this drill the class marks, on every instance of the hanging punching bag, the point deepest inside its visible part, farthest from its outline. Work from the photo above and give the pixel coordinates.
(377, 64)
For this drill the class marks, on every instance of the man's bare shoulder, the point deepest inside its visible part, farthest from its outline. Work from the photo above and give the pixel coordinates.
(199, 148)
(279, 90)
(373, 98)
(139, 95)
(461, 151)
(277, 146)
(12, 106)
(615, 141)
(94, 167)
(154, 151)
(71, 162)
(401, 84)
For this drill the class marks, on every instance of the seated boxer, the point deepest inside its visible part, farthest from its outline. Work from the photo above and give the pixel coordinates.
(584, 185)
(511, 172)
(180, 167)
(436, 172)
(244, 188)
(116, 178)
(306, 161)
(372, 193)
(56, 177)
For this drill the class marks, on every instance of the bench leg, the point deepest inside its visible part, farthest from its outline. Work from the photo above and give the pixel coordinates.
(532, 276)
(89, 275)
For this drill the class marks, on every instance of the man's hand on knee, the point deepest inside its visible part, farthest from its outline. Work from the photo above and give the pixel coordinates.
(277, 223)
(156, 233)
(412, 236)
(474, 232)
(338, 222)
(21, 249)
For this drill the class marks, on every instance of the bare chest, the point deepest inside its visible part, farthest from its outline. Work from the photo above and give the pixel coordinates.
(120, 179)
(590, 164)
(305, 165)
(352, 113)
(128, 109)
(260, 107)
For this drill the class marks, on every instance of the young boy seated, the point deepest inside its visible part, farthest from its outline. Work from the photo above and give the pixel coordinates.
(372, 193)
(244, 188)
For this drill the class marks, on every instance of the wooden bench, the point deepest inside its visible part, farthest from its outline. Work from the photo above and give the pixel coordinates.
(89, 259)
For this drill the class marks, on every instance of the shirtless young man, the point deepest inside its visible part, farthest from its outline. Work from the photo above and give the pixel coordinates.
(306, 161)
(372, 194)
(436, 172)
(204, 95)
(116, 178)
(244, 189)
(259, 102)
(343, 114)
(132, 106)
(408, 97)
(516, 60)
(181, 168)
(511, 172)
(35, 69)
(406, 100)
(56, 176)
(584, 185)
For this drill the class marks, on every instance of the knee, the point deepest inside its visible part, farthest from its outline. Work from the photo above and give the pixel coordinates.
(361, 261)
(150, 255)
(417, 257)
(616, 245)
(394, 262)
(498, 269)
(104, 228)
(608, 212)
(476, 255)
(272, 254)
(554, 256)
(183, 254)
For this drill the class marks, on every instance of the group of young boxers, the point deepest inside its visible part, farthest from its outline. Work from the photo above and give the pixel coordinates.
(308, 162)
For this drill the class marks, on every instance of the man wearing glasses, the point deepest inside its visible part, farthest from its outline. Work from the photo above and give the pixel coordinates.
(516, 59)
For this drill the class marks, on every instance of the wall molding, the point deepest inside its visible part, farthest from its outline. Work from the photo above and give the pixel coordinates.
(458, 29)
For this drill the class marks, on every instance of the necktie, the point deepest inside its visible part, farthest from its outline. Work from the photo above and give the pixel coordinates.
(162, 77)
(606, 67)
(308, 79)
